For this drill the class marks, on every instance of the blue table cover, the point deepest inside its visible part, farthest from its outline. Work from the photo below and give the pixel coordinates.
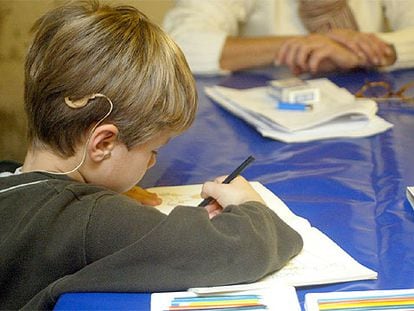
(352, 189)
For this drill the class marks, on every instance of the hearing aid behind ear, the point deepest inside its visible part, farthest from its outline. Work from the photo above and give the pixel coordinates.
(79, 103)
(76, 104)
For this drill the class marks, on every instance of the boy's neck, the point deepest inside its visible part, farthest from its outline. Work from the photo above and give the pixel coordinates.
(47, 161)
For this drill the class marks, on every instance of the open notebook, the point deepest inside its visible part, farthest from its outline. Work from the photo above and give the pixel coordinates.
(321, 261)
(337, 114)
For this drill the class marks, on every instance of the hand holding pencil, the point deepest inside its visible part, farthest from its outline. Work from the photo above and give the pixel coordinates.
(230, 190)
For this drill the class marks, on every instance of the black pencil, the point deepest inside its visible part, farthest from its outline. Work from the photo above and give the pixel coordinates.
(229, 178)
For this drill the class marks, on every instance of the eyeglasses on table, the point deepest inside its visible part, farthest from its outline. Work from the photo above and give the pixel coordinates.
(383, 91)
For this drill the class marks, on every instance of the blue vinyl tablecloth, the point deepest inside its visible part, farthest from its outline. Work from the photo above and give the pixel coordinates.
(351, 189)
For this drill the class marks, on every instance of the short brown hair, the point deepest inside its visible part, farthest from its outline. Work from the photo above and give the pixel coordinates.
(84, 48)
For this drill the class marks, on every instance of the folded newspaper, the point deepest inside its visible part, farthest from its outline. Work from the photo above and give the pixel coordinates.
(337, 114)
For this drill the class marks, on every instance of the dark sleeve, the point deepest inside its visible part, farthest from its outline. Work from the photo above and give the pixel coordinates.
(187, 249)
(272, 242)
(116, 222)
(243, 244)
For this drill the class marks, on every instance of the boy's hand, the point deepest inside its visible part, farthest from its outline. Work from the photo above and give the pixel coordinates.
(236, 192)
(143, 196)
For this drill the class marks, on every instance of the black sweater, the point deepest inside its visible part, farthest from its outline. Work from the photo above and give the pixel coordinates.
(58, 235)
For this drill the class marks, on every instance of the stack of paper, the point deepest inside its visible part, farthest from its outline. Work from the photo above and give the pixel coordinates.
(337, 114)
(321, 260)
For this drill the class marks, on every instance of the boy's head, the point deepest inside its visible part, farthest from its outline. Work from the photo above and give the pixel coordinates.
(85, 48)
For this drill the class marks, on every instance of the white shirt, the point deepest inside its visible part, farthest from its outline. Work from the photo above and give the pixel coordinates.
(201, 27)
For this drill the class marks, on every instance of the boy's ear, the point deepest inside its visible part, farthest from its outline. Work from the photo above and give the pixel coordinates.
(102, 142)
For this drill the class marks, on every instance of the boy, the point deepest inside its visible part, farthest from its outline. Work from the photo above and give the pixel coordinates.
(104, 90)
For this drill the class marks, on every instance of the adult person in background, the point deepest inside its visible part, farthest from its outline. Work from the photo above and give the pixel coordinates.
(306, 35)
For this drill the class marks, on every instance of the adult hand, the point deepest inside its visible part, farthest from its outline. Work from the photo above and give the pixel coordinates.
(316, 53)
(371, 49)
(236, 192)
(144, 196)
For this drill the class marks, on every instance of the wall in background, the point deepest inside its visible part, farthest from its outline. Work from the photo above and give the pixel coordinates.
(16, 19)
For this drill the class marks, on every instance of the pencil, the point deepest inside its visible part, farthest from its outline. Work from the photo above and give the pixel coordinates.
(229, 178)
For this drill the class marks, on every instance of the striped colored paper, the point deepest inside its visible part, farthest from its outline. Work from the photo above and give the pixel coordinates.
(216, 303)
(368, 303)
